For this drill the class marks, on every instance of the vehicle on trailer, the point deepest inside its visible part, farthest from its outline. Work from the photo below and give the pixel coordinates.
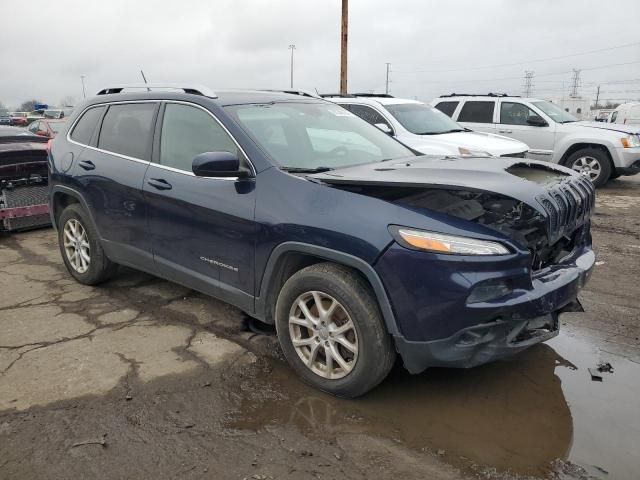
(426, 129)
(23, 180)
(19, 119)
(47, 127)
(305, 216)
(600, 151)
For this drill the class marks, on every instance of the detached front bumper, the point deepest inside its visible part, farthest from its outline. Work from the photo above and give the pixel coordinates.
(439, 328)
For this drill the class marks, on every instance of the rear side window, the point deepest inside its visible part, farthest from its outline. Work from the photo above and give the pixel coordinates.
(127, 129)
(478, 112)
(83, 131)
(368, 114)
(187, 132)
(447, 107)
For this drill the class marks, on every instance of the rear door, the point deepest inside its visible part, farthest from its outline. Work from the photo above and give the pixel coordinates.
(478, 115)
(202, 229)
(110, 172)
(513, 123)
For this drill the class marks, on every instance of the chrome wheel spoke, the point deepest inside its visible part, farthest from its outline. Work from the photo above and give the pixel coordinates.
(323, 335)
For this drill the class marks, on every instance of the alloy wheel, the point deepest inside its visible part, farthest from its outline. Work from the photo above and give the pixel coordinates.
(323, 335)
(587, 166)
(76, 245)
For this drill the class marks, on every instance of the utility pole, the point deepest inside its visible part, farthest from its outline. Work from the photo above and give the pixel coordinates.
(528, 85)
(597, 96)
(84, 93)
(575, 83)
(386, 90)
(292, 47)
(343, 47)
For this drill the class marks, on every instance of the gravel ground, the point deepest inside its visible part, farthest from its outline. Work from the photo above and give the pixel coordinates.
(142, 378)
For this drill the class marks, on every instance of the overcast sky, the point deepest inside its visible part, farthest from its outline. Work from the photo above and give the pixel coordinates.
(434, 47)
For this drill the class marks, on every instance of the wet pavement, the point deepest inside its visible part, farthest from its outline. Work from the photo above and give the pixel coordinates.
(141, 378)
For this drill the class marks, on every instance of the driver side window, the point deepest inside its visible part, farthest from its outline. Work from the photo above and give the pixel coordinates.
(187, 132)
(512, 113)
(368, 114)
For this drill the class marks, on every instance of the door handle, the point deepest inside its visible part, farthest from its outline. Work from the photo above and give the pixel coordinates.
(504, 131)
(87, 164)
(159, 183)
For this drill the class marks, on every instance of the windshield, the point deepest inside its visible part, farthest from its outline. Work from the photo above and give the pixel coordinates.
(421, 119)
(555, 112)
(314, 136)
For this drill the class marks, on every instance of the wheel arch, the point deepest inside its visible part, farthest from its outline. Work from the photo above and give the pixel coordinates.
(290, 257)
(61, 197)
(574, 147)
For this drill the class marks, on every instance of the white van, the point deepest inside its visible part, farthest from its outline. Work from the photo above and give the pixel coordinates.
(627, 113)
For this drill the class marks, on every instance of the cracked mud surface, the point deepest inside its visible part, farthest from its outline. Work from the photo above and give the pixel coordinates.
(142, 378)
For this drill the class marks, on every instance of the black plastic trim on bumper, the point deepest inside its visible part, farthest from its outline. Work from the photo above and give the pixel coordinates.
(632, 169)
(478, 344)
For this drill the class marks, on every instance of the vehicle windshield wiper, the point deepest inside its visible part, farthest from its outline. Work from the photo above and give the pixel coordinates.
(306, 170)
(440, 133)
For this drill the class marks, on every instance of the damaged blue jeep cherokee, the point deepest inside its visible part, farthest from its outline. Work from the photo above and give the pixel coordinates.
(307, 217)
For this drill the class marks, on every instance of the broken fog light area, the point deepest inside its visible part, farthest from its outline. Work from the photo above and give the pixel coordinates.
(489, 290)
(536, 327)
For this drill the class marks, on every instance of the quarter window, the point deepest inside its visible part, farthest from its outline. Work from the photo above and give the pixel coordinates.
(83, 131)
(447, 107)
(368, 114)
(512, 113)
(477, 112)
(614, 115)
(187, 132)
(127, 129)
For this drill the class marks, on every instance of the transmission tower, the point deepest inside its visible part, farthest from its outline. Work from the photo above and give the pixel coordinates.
(528, 83)
(575, 83)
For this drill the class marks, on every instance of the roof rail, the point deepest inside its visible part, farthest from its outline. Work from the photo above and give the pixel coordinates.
(192, 89)
(336, 95)
(478, 95)
(373, 95)
(292, 91)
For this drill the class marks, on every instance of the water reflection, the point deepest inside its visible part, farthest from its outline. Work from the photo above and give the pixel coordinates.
(510, 415)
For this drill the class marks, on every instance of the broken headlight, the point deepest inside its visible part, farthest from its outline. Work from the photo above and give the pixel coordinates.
(443, 243)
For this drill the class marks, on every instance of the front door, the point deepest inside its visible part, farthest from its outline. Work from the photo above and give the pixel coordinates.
(513, 123)
(202, 229)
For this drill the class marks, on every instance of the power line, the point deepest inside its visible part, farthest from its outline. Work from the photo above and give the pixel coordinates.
(522, 62)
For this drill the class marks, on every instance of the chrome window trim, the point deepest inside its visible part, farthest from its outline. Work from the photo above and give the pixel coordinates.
(147, 162)
(191, 104)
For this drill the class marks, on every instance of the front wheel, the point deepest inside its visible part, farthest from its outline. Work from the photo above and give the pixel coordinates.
(331, 331)
(592, 163)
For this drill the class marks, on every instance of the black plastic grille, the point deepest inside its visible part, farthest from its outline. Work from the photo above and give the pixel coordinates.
(568, 205)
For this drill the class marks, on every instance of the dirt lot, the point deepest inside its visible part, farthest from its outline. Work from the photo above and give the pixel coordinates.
(141, 378)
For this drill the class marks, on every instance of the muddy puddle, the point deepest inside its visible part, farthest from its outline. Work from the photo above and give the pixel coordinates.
(516, 416)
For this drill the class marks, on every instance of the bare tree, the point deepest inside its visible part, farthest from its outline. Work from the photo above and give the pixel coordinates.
(29, 105)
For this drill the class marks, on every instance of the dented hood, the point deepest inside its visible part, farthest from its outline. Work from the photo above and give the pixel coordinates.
(520, 179)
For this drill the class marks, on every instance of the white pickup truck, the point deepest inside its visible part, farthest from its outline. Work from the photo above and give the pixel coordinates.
(599, 150)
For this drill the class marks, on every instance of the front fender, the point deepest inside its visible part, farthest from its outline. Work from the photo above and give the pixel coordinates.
(565, 143)
(261, 301)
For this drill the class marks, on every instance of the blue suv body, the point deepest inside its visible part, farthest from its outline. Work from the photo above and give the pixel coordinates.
(307, 217)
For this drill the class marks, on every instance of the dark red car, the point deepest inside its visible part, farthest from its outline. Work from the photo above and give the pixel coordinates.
(47, 127)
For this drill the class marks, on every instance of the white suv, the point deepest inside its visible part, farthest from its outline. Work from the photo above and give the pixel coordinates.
(425, 129)
(598, 150)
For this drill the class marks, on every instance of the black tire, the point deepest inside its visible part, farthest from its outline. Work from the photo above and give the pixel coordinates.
(602, 159)
(376, 354)
(100, 268)
(614, 175)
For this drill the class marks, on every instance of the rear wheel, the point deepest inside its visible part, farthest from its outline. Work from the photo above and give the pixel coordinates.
(80, 248)
(331, 331)
(592, 163)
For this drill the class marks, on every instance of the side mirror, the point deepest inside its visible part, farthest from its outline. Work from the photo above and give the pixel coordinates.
(384, 127)
(217, 164)
(537, 121)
